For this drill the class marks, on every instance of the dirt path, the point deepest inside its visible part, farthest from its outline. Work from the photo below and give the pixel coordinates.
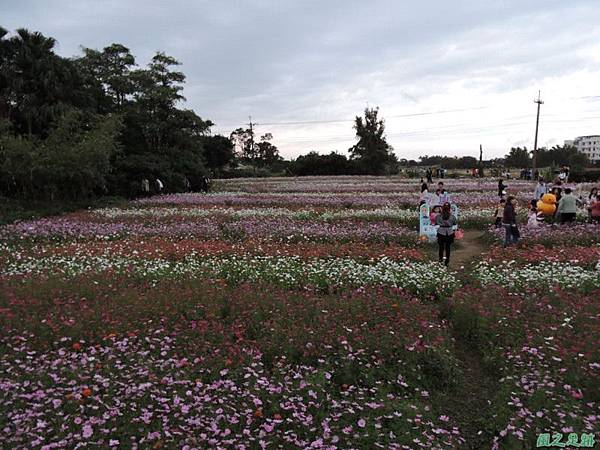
(471, 247)
(469, 402)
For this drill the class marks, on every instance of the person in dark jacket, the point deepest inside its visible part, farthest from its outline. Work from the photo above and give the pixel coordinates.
(509, 221)
(445, 233)
(501, 188)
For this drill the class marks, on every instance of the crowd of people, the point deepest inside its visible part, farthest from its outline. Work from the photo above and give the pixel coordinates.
(551, 203)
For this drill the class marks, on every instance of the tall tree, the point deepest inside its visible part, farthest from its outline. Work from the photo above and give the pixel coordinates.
(372, 153)
(243, 141)
(109, 74)
(38, 84)
(266, 153)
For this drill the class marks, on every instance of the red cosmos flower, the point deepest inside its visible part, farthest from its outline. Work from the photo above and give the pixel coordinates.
(86, 392)
(76, 346)
(258, 413)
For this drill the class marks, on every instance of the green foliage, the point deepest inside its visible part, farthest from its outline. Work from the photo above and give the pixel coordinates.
(315, 164)
(449, 162)
(372, 153)
(97, 124)
(218, 153)
(519, 157)
(260, 154)
(561, 156)
(72, 162)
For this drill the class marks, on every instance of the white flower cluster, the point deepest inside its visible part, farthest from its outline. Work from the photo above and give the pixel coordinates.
(545, 274)
(289, 271)
(386, 213)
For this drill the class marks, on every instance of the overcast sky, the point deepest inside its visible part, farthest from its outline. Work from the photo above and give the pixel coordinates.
(447, 75)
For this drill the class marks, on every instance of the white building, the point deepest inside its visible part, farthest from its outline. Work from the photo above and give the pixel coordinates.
(590, 145)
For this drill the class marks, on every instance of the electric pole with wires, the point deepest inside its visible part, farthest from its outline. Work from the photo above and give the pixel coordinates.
(252, 154)
(537, 124)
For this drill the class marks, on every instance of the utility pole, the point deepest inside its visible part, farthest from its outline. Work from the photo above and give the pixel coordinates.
(251, 125)
(480, 161)
(537, 124)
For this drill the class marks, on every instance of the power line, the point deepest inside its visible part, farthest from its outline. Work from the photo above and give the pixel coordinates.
(446, 130)
(428, 113)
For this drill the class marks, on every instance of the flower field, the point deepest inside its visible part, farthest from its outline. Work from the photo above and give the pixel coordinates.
(295, 313)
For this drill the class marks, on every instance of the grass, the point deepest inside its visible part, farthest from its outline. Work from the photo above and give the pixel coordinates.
(12, 210)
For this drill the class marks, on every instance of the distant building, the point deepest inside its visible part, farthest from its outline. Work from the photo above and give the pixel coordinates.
(590, 145)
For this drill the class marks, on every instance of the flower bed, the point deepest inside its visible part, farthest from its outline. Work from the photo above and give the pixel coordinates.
(544, 349)
(424, 279)
(545, 275)
(555, 235)
(248, 366)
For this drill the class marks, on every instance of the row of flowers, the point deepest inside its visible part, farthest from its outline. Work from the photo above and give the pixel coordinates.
(543, 346)
(425, 279)
(554, 234)
(243, 367)
(545, 275)
(585, 256)
(323, 199)
(157, 247)
(356, 184)
(408, 216)
(79, 226)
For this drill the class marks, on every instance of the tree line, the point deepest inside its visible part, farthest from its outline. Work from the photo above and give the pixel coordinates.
(99, 123)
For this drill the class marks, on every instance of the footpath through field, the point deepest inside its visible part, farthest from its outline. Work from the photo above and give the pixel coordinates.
(471, 247)
(470, 400)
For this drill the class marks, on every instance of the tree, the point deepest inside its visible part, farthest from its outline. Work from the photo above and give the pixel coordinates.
(315, 164)
(37, 85)
(518, 157)
(266, 153)
(5, 54)
(243, 142)
(218, 152)
(73, 161)
(372, 153)
(109, 75)
(96, 123)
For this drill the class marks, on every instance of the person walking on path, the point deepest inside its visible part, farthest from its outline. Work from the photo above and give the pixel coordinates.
(567, 207)
(540, 189)
(509, 222)
(501, 188)
(445, 233)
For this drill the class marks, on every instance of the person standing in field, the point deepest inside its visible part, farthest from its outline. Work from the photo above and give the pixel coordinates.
(444, 195)
(567, 207)
(509, 222)
(595, 209)
(145, 187)
(591, 198)
(445, 233)
(499, 213)
(424, 197)
(501, 187)
(540, 189)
